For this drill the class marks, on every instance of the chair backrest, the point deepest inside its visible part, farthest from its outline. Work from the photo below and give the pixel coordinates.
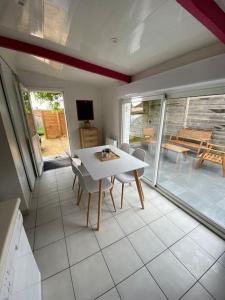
(139, 154)
(125, 147)
(148, 132)
(69, 156)
(80, 176)
(198, 134)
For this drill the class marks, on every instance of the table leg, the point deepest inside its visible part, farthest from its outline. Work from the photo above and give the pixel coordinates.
(99, 203)
(177, 157)
(139, 188)
(143, 196)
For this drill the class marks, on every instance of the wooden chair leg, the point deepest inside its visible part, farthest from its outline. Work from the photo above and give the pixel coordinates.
(112, 199)
(79, 199)
(139, 188)
(112, 181)
(122, 195)
(78, 193)
(88, 209)
(143, 196)
(99, 204)
(74, 180)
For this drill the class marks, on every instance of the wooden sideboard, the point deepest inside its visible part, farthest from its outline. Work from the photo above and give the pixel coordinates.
(89, 137)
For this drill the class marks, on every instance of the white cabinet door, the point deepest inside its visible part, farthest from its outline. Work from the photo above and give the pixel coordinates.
(27, 278)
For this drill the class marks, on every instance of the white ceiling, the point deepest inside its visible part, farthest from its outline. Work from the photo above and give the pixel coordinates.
(149, 32)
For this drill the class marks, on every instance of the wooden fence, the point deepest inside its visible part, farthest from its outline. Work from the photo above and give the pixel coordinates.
(204, 113)
(53, 122)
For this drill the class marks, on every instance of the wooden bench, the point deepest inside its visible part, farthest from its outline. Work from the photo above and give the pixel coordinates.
(191, 138)
(213, 153)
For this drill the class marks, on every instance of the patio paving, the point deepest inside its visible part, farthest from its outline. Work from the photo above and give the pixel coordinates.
(203, 188)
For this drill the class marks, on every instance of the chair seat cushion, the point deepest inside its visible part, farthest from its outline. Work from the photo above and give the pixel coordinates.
(93, 185)
(125, 177)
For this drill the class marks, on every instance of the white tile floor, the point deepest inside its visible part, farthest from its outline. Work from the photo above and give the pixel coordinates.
(156, 253)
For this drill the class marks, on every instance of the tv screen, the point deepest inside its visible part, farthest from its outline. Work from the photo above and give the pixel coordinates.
(85, 110)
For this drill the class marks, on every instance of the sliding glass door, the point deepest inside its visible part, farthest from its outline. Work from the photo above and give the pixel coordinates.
(192, 160)
(184, 140)
(141, 124)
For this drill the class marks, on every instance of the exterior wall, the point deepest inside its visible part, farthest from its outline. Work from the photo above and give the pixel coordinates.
(139, 121)
(204, 113)
(208, 114)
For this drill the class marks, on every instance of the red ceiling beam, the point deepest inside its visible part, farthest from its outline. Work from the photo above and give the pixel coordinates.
(28, 48)
(209, 14)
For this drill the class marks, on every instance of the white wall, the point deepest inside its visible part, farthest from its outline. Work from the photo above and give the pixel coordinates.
(190, 57)
(201, 73)
(72, 91)
(204, 71)
(110, 112)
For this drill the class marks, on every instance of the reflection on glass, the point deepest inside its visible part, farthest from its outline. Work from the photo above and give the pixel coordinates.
(28, 112)
(140, 128)
(192, 161)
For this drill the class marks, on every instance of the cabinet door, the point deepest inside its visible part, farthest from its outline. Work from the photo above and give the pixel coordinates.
(27, 278)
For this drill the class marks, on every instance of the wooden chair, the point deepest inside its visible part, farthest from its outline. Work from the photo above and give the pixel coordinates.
(92, 186)
(149, 135)
(76, 163)
(213, 153)
(129, 177)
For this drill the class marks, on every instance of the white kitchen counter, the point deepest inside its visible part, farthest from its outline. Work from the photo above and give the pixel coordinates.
(8, 213)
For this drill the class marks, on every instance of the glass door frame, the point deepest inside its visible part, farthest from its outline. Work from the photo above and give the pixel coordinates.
(190, 91)
(197, 92)
(162, 98)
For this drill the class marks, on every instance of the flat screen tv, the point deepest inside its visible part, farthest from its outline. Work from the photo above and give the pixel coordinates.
(85, 110)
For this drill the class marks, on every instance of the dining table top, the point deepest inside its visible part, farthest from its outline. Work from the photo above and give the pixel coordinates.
(101, 169)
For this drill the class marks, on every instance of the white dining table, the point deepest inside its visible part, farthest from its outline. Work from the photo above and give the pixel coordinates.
(99, 170)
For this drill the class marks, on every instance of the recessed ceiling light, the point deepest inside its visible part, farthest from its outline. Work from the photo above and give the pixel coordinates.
(114, 40)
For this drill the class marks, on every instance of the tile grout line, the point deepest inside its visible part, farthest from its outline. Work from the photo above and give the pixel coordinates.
(67, 253)
(168, 248)
(144, 265)
(107, 267)
(198, 280)
(146, 224)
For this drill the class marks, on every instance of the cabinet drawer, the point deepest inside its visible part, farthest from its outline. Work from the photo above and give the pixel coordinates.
(88, 137)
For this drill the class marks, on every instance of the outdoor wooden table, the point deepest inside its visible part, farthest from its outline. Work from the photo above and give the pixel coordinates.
(99, 170)
(177, 149)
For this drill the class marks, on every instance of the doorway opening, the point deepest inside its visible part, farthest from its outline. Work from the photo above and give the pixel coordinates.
(50, 123)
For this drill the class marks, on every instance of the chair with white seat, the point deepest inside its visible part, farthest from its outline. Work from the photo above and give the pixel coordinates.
(92, 186)
(129, 176)
(125, 147)
(75, 161)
